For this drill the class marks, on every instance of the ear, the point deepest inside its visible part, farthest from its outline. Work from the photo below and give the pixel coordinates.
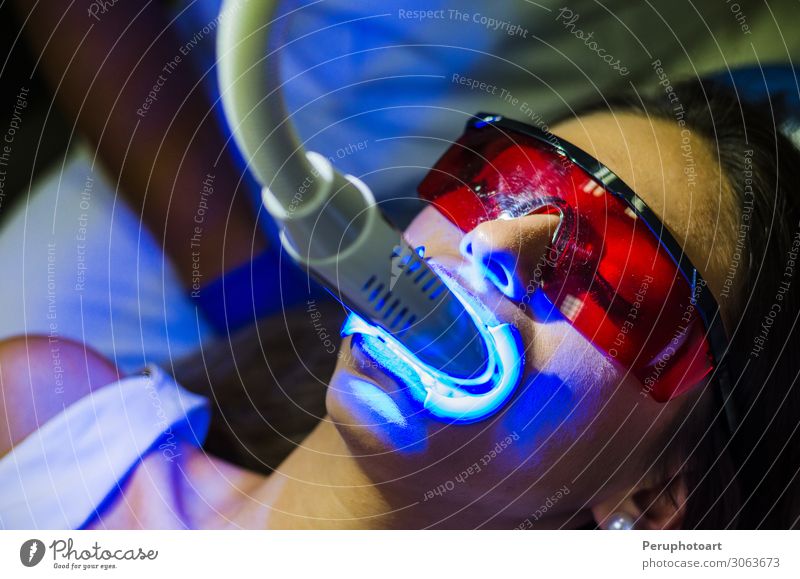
(651, 506)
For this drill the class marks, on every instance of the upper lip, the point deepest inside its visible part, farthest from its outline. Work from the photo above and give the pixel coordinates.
(451, 271)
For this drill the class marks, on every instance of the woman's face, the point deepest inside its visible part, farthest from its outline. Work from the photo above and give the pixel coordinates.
(577, 430)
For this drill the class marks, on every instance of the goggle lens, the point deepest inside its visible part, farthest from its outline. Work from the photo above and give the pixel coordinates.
(606, 271)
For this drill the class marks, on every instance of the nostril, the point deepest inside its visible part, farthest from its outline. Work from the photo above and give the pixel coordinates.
(498, 272)
(497, 267)
(500, 276)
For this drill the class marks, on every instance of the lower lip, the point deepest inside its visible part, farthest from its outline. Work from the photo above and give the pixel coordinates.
(378, 401)
(382, 393)
(367, 367)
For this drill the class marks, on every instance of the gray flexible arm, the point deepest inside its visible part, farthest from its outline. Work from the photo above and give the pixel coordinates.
(249, 75)
(322, 211)
(330, 222)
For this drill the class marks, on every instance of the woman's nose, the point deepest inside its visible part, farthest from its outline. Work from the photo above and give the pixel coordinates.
(509, 252)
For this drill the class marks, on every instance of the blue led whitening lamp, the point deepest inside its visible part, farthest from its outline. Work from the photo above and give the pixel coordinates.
(456, 366)
(329, 222)
(443, 395)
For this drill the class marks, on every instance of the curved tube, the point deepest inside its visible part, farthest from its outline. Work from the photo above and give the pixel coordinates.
(249, 76)
(330, 222)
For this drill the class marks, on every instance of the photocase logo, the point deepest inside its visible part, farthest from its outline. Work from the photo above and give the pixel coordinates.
(31, 553)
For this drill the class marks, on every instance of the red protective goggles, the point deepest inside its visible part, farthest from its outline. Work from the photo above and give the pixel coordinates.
(612, 270)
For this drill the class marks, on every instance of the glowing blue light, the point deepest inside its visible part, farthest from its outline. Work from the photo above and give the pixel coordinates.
(486, 120)
(544, 309)
(444, 396)
(380, 402)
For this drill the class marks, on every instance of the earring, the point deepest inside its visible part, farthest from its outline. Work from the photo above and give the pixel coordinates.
(619, 522)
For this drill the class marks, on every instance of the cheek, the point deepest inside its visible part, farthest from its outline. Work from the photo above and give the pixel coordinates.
(566, 385)
(580, 414)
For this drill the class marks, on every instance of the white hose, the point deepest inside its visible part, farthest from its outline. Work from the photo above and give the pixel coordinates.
(249, 73)
(330, 222)
(323, 213)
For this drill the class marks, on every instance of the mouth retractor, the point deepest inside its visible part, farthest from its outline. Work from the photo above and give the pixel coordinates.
(445, 396)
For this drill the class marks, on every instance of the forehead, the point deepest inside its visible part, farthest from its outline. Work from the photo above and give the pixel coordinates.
(675, 173)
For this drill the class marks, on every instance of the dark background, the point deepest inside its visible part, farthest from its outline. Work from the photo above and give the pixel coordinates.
(44, 135)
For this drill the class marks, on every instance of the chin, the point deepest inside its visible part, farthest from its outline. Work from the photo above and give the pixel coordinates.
(372, 410)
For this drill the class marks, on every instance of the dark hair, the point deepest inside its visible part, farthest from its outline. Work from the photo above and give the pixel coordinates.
(749, 478)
